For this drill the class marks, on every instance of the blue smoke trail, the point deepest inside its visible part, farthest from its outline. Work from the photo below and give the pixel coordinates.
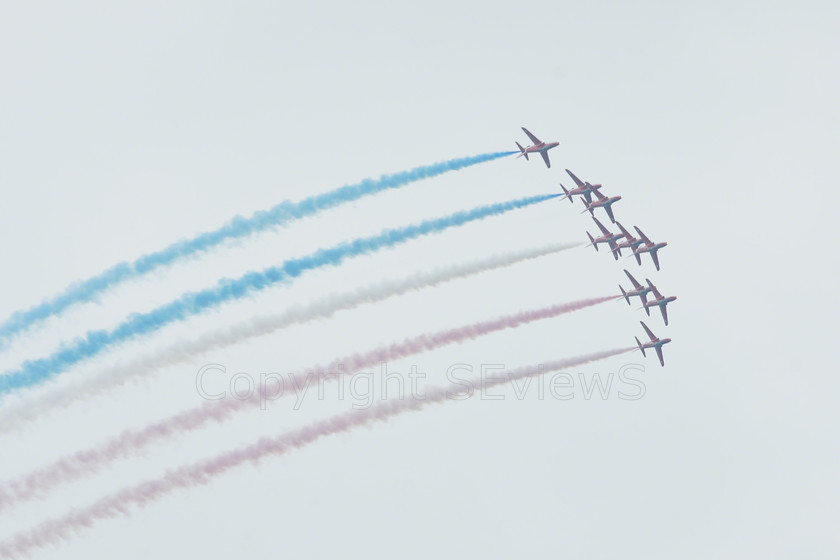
(34, 372)
(239, 226)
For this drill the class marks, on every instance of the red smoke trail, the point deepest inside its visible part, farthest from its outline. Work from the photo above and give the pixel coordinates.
(130, 442)
(202, 472)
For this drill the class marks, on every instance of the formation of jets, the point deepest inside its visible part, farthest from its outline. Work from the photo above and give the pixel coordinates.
(592, 199)
(642, 291)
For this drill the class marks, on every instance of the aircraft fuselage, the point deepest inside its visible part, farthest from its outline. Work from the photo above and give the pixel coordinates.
(651, 248)
(613, 237)
(583, 190)
(604, 202)
(655, 343)
(541, 147)
(639, 292)
(660, 302)
(630, 244)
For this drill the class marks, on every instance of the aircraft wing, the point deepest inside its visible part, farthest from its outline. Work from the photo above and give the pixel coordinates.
(653, 289)
(598, 195)
(626, 233)
(545, 159)
(659, 353)
(614, 248)
(608, 208)
(655, 258)
(604, 230)
(664, 310)
(577, 181)
(633, 280)
(643, 236)
(533, 138)
(647, 330)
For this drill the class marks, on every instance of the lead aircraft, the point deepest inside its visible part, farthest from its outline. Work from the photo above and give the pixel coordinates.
(538, 147)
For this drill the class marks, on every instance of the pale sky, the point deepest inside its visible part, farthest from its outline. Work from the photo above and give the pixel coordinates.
(124, 128)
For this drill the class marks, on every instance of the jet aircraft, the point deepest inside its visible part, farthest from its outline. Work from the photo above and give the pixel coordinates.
(607, 237)
(655, 343)
(648, 246)
(638, 289)
(629, 242)
(582, 189)
(604, 202)
(661, 302)
(538, 146)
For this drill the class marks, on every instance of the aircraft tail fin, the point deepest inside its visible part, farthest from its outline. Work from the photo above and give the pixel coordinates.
(642, 348)
(565, 190)
(623, 293)
(522, 150)
(592, 240)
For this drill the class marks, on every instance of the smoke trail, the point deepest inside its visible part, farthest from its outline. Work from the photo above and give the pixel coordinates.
(37, 371)
(132, 441)
(202, 472)
(239, 226)
(179, 352)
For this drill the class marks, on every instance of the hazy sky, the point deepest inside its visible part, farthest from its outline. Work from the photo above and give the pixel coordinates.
(124, 128)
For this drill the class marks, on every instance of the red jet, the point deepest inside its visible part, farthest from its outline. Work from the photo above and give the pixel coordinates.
(648, 246)
(607, 237)
(638, 289)
(604, 202)
(583, 189)
(658, 301)
(629, 242)
(538, 147)
(655, 343)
